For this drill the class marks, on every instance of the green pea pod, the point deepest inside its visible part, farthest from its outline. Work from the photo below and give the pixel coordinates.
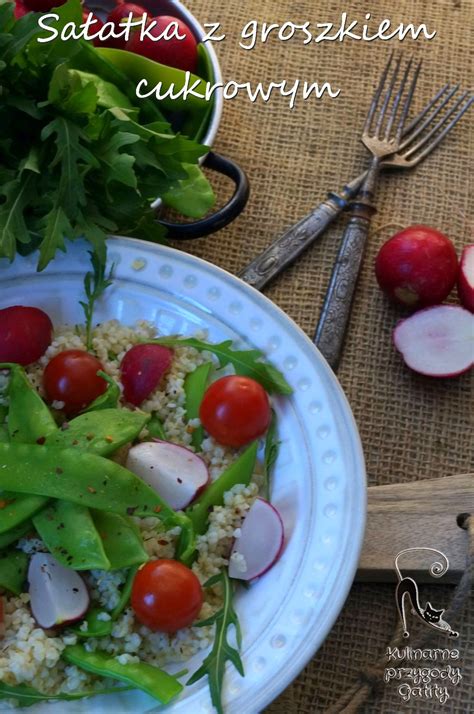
(70, 534)
(90, 480)
(27, 696)
(122, 542)
(13, 567)
(29, 419)
(15, 534)
(96, 627)
(195, 385)
(158, 684)
(137, 68)
(196, 123)
(100, 432)
(155, 428)
(109, 399)
(18, 508)
(239, 472)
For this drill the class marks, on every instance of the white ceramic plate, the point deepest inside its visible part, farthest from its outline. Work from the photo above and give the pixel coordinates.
(319, 482)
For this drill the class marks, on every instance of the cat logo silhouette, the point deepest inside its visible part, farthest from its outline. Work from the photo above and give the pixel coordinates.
(407, 589)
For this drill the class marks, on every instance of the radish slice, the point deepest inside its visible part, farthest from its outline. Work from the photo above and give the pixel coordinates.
(466, 278)
(260, 543)
(438, 341)
(176, 473)
(58, 595)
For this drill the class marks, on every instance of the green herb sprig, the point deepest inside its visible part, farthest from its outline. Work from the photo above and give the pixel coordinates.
(95, 284)
(270, 454)
(221, 652)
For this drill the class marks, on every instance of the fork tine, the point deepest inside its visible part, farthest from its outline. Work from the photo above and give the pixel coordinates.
(424, 140)
(397, 99)
(388, 95)
(445, 131)
(408, 100)
(419, 117)
(377, 94)
(420, 125)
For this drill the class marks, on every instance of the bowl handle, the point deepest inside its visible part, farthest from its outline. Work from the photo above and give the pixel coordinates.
(226, 214)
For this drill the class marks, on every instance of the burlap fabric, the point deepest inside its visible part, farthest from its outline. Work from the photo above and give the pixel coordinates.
(411, 427)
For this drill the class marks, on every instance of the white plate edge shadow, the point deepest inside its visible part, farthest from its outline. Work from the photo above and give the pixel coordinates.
(355, 496)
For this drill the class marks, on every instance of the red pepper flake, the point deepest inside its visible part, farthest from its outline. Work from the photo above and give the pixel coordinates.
(91, 489)
(59, 470)
(157, 509)
(40, 440)
(89, 436)
(4, 503)
(109, 439)
(163, 542)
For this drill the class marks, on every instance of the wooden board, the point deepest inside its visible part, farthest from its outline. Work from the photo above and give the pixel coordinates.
(409, 515)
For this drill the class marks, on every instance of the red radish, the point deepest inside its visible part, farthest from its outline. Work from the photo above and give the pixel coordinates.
(177, 474)
(466, 278)
(25, 334)
(142, 369)
(58, 595)
(260, 542)
(43, 5)
(417, 267)
(174, 52)
(95, 26)
(20, 9)
(438, 341)
(120, 12)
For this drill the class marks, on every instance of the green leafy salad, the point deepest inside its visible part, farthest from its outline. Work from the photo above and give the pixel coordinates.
(80, 155)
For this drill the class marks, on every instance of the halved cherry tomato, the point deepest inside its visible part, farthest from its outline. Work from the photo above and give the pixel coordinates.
(25, 334)
(71, 377)
(166, 595)
(235, 410)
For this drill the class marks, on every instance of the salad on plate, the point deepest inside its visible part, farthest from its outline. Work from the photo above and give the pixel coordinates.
(135, 494)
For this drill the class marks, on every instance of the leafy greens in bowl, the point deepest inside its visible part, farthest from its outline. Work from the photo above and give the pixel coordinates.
(79, 154)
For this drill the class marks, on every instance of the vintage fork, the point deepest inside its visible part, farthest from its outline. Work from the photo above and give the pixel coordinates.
(283, 251)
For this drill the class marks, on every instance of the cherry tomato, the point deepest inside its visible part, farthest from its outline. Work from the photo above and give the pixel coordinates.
(235, 410)
(71, 377)
(25, 334)
(141, 371)
(174, 52)
(166, 595)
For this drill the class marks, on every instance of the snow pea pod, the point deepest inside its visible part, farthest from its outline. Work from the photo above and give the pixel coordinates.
(90, 480)
(18, 507)
(13, 567)
(122, 542)
(155, 428)
(100, 432)
(109, 399)
(70, 534)
(29, 419)
(158, 684)
(195, 385)
(15, 534)
(239, 472)
(139, 68)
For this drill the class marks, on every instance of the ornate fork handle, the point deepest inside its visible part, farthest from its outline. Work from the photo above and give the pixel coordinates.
(286, 249)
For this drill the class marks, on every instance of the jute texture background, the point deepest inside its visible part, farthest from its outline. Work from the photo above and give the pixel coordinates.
(411, 427)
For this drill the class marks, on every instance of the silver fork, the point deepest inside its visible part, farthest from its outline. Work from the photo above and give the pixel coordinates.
(285, 249)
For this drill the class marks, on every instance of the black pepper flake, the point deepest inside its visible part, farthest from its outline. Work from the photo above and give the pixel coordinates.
(75, 442)
(180, 480)
(89, 437)
(40, 440)
(59, 470)
(75, 590)
(131, 510)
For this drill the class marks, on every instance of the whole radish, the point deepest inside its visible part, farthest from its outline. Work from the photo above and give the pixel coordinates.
(43, 5)
(173, 52)
(25, 334)
(95, 26)
(466, 278)
(417, 267)
(120, 12)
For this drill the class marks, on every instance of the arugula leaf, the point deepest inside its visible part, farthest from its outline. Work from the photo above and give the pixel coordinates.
(272, 447)
(109, 399)
(56, 228)
(27, 696)
(95, 284)
(12, 221)
(221, 652)
(245, 362)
